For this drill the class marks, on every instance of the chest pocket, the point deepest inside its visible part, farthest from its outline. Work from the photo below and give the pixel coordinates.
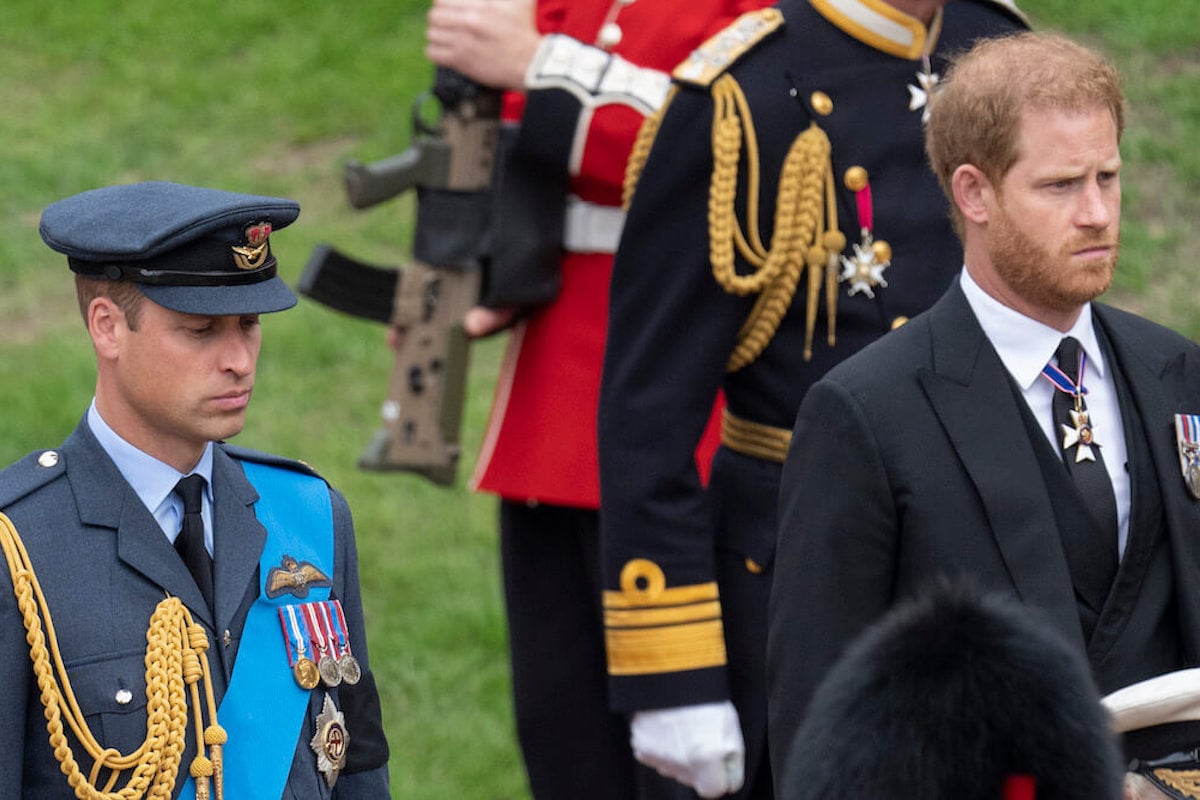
(111, 693)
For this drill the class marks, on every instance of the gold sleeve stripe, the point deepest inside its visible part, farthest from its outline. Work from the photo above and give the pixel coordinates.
(651, 617)
(675, 596)
(649, 651)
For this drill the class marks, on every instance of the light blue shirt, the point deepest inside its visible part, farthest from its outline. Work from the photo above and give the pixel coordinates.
(1025, 346)
(154, 481)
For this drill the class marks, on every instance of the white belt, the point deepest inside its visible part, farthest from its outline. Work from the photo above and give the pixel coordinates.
(591, 227)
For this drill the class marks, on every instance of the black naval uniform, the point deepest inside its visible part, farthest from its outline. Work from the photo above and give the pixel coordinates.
(688, 570)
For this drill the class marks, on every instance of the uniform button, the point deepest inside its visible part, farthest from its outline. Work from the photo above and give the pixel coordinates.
(753, 567)
(610, 35)
(821, 103)
(855, 179)
(898, 321)
(226, 638)
(48, 459)
(124, 697)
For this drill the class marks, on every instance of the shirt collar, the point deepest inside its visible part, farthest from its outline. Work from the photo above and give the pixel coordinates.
(1024, 344)
(880, 25)
(152, 480)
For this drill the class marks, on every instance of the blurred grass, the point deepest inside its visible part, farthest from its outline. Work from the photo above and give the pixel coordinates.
(273, 98)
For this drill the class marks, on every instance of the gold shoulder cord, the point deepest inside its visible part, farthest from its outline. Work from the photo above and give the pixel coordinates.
(805, 233)
(176, 650)
(641, 148)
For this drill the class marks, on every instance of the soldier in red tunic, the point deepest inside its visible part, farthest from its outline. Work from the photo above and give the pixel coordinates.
(583, 76)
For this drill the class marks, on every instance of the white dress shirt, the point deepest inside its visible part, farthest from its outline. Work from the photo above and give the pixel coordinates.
(154, 481)
(1025, 346)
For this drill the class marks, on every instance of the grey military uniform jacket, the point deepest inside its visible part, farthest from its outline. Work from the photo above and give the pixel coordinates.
(104, 564)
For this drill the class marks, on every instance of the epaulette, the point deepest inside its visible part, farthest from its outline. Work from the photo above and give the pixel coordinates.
(30, 474)
(722, 50)
(258, 456)
(1008, 7)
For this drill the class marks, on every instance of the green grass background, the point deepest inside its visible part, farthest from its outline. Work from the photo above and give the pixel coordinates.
(272, 98)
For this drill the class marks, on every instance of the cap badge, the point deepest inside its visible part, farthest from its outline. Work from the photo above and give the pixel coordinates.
(255, 252)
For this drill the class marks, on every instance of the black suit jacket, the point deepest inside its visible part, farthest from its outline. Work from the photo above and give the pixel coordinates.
(911, 460)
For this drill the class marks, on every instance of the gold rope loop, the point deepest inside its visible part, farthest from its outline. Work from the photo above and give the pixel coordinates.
(804, 211)
(797, 242)
(641, 148)
(154, 766)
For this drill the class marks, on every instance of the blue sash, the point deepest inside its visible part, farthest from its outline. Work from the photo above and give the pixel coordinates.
(263, 709)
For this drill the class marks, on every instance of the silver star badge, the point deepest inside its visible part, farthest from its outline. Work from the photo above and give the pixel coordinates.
(330, 740)
(1082, 436)
(918, 96)
(864, 271)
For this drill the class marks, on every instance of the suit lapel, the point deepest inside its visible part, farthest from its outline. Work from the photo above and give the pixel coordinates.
(973, 396)
(1158, 388)
(104, 498)
(238, 536)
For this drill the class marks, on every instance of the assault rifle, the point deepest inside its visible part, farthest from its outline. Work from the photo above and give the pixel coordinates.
(451, 164)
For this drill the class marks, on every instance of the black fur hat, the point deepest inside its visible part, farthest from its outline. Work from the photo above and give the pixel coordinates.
(952, 696)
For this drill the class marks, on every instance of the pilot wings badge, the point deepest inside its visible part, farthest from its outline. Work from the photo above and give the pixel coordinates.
(295, 578)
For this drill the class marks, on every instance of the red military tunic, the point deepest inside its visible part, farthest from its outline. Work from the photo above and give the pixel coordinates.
(540, 443)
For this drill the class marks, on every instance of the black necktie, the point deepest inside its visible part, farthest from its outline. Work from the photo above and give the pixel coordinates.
(190, 542)
(1096, 561)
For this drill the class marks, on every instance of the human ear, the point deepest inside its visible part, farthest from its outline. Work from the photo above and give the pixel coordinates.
(106, 325)
(973, 193)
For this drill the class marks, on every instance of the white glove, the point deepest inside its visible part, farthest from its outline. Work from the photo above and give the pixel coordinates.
(700, 746)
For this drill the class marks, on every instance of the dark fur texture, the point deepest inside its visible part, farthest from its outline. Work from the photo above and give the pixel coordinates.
(948, 695)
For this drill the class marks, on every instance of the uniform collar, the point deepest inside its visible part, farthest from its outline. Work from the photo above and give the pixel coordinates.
(152, 480)
(1026, 345)
(879, 25)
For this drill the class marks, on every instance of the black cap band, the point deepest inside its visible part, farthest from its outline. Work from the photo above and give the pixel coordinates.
(164, 277)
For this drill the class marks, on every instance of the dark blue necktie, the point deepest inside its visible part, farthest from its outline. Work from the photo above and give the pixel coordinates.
(1095, 561)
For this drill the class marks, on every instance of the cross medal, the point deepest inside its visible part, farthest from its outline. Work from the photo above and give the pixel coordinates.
(1079, 434)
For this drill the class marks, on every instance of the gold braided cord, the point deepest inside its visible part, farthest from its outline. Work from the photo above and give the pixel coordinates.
(175, 657)
(640, 153)
(805, 230)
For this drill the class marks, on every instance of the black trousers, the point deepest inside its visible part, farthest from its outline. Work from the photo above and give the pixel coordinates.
(574, 747)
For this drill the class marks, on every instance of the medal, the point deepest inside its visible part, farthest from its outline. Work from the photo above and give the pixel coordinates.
(1079, 434)
(1187, 438)
(864, 272)
(329, 742)
(918, 96)
(331, 676)
(303, 669)
(351, 671)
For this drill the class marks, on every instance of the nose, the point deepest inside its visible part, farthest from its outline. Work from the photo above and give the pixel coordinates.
(1095, 206)
(239, 351)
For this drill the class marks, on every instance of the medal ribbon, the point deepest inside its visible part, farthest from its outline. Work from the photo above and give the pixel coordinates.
(1056, 376)
(294, 509)
(1188, 426)
(333, 611)
(316, 628)
(297, 634)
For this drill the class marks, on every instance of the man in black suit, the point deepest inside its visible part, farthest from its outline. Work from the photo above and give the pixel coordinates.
(941, 449)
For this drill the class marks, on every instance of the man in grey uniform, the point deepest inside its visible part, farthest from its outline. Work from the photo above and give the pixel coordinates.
(183, 615)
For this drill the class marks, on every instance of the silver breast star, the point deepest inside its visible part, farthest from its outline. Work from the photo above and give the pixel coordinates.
(864, 271)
